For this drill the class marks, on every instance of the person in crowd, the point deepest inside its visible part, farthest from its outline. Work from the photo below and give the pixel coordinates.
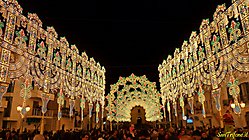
(114, 136)
(172, 134)
(196, 135)
(161, 134)
(85, 137)
(186, 135)
(39, 137)
(144, 135)
(182, 132)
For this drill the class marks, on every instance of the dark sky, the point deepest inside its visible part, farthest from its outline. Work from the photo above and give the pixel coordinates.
(125, 36)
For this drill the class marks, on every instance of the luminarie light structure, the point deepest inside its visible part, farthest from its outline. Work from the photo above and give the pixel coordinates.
(216, 52)
(53, 64)
(133, 91)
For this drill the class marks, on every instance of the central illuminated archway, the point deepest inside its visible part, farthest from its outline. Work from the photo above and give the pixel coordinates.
(130, 92)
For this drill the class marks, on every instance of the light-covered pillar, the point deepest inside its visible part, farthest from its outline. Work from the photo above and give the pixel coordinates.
(97, 115)
(168, 108)
(102, 116)
(82, 106)
(45, 99)
(216, 96)
(201, 99)
(90, 114)
(3, 90)
(60, 101)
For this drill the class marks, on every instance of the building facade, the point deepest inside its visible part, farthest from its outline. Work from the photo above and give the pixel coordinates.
(11, 118)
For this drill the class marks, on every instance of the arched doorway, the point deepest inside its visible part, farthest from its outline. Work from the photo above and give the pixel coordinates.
(138, 116)
(139, 121)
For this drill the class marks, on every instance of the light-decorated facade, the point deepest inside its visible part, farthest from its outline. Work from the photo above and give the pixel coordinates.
(31, 54)
(130, 92)
(211, 69)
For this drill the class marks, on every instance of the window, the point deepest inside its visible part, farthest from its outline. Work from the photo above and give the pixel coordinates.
(11, 87)
(241, 92)
(35, 104)
(36, 108)
(7, 110)
(138, 111)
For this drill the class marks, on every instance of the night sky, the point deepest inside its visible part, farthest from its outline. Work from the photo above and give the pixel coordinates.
(125, 36)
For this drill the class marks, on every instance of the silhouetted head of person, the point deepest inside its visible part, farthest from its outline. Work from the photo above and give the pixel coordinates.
(39, 137)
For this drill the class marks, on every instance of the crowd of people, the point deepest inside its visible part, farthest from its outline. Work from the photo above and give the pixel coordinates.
(129, 133)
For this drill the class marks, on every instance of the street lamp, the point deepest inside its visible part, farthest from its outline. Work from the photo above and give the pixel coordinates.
(242, 105)
(233, 105)
(23, 110)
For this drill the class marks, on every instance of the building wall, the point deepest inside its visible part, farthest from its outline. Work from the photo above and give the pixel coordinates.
(135, 114)
(211, 111)
(14, 120)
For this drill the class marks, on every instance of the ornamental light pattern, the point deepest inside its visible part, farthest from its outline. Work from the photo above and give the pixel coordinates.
(209, 56)
(133, 91)
(54, 64)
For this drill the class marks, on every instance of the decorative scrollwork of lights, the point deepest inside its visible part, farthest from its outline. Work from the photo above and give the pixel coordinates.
(234, 91)
(52, 62)
(25, 92)
(206, 57)
(133, 91)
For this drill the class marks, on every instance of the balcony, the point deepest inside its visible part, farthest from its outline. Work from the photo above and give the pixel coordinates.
(38, 94)
(37, 113)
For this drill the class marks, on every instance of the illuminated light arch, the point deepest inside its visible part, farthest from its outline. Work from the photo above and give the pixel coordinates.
(130, 92)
